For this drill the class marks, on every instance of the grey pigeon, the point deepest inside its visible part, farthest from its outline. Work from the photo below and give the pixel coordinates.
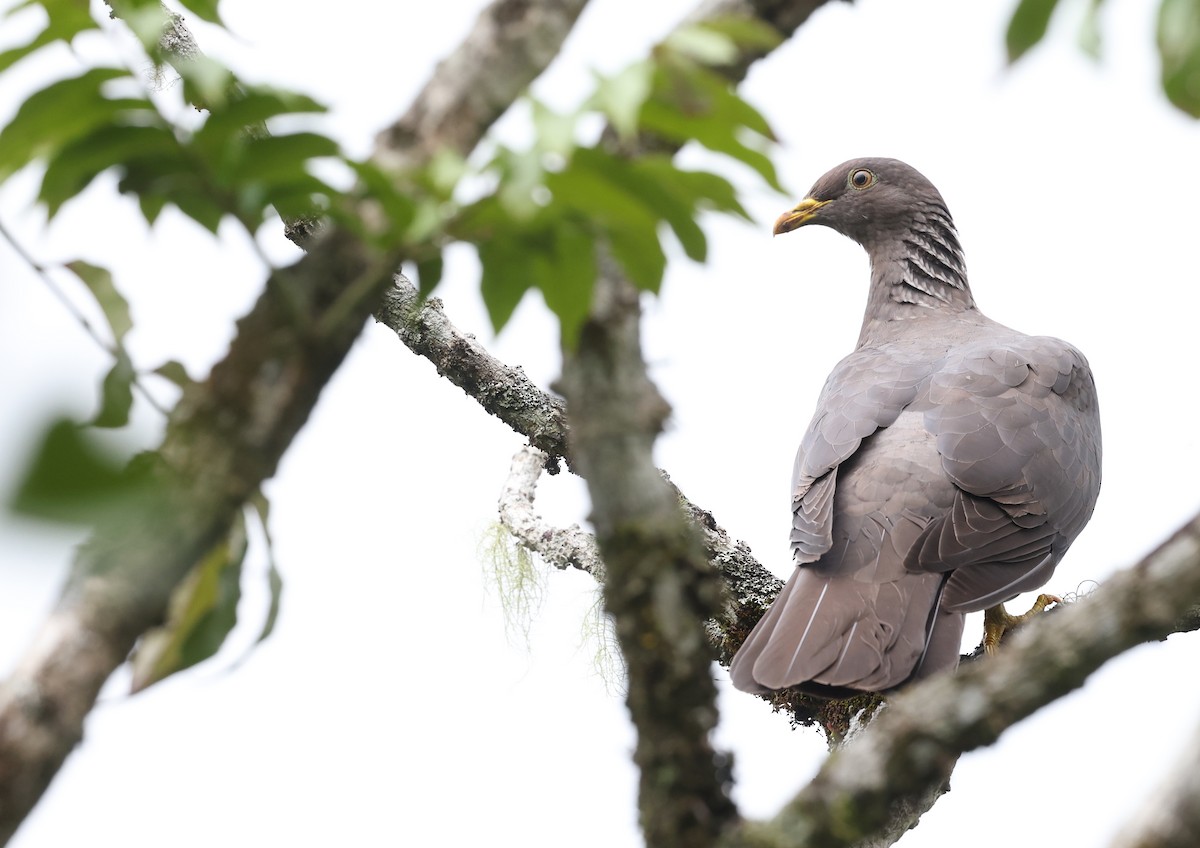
(950, 463)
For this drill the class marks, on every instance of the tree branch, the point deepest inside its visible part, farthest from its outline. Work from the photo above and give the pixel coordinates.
(565, 547)
(912, 746)
(502, 390)
(228, 433)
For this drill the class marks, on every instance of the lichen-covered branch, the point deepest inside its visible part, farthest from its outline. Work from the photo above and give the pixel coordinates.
(562, 547)
(228, 433)
(912, 746)
(661, 588)
(502, 390)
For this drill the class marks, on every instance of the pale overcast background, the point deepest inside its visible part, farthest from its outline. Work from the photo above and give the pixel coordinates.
(390, 706)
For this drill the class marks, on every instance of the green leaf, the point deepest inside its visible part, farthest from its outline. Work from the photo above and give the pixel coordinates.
(206, 9)
(567, 278)
(201, 614)
(200, 207)
(505, 277)
(555, 132)
(703, 44)
(116, 395)
(174, 371)
(249, 110)
(594, 186)
(277, 158)
(207, 84)
(745, 31)
(1089, 30)
(61, 112)
(71, 478)
(67, 18)
(1179, 51)
(151, 206)
(659, 186)
(1027, 26)
(71, 169)
(381, 186)
(262, 509)
(429, 274)
(693, 104)
(621, 97)
(640, 254)
(100, 283)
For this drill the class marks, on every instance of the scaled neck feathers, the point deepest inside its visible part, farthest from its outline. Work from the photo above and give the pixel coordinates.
(916, 268)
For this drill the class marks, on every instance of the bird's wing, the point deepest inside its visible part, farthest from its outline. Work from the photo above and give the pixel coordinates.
(1018, 432)
(865, 392)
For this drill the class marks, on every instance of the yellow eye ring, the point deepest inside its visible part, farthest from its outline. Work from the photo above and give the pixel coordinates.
(861, 178)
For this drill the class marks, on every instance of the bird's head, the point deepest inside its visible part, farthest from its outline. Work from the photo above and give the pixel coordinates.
(866, 199)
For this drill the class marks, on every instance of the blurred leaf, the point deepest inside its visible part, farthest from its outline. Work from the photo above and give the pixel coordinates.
(505, 277)
(620, 97)
(73, 479)
(429, 274)
(1179, 51)
(262, 508)
(380, 186)
(1089, 29)
(277, 158)
(72, 168)
(100, 283)
(443, 172)
(174, 371)
(206, 9)
(594, 184)
(116, 393)
(693, 104)
(704, 44)
(61, 112)
(151, 206)
(568, 277)
(202, 612)
(201, 208)
(146, 20)
(67, 18)
(521, 176)
(555, 132)
(250, 109)
(207, 84)
(658, 185)
(640, 254)
(1028, 26)
(745, 31)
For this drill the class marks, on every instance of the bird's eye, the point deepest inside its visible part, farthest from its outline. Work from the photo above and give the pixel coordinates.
(862, 178)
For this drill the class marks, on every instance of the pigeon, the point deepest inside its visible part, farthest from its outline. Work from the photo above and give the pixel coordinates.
(949, 465)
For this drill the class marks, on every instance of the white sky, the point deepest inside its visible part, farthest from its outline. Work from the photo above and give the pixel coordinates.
(389, 704)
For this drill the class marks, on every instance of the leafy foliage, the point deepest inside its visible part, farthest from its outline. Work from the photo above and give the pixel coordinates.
(202, 612)
(73, 478)
(556, 202)
(1028, 26)
(1179, 47)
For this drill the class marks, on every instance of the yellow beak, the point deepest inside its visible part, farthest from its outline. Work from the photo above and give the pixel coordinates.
(804, 212)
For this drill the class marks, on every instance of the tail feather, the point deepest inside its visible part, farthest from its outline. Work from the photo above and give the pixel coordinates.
(842, 633)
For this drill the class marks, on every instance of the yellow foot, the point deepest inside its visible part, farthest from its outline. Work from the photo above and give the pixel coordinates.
(997, 622)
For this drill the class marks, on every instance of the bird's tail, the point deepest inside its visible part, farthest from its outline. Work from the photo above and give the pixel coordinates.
(830, 634)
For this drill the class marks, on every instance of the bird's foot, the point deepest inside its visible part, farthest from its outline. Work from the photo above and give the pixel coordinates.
(997, 622)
